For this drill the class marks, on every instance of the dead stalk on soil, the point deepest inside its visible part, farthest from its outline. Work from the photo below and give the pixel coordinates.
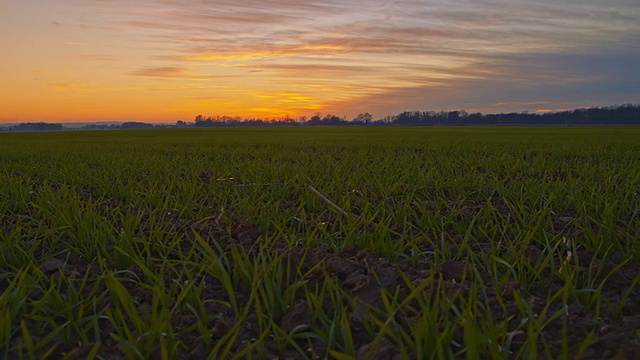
(569, 257)
(331, 204)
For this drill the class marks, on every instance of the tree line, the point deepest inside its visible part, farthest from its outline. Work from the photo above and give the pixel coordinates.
(39, 126)
(317, 119)
(43, 126)
(628, 114)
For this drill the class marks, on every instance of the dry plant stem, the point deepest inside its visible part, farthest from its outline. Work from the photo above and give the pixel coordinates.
(254, 184)
(569, 258)
(208, 218)
(569, 252)
(203, 220)
(331, 204)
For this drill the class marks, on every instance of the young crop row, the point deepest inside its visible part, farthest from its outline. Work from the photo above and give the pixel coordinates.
(440, 243)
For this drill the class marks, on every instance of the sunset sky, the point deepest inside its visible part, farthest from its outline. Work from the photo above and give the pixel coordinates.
(165, 60)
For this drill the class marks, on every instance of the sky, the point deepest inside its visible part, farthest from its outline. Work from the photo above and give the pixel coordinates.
(169, 60)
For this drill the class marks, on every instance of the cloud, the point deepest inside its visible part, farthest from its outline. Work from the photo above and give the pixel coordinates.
(67, 86)
(517, 82)
(96, 57)
(389, 55)
(162, 72)
(466, 29)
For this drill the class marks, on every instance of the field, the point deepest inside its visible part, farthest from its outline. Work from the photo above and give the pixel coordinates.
(443, 243)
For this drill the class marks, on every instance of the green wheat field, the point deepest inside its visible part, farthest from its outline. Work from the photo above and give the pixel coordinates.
(314, 243)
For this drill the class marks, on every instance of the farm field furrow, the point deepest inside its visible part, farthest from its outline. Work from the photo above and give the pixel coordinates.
(444, 242)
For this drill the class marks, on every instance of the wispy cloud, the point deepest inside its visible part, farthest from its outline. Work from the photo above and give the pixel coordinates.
(67, 86)
(163, 71)
(96, 57)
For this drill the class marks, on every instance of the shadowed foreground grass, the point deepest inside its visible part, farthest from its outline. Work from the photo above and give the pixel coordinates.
(189, 243)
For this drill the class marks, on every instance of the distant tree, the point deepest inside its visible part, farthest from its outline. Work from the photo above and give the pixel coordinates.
(316, 119)
(331, 119)
(40, 126)
(199, 121)
(364, 118)
(135, 125)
